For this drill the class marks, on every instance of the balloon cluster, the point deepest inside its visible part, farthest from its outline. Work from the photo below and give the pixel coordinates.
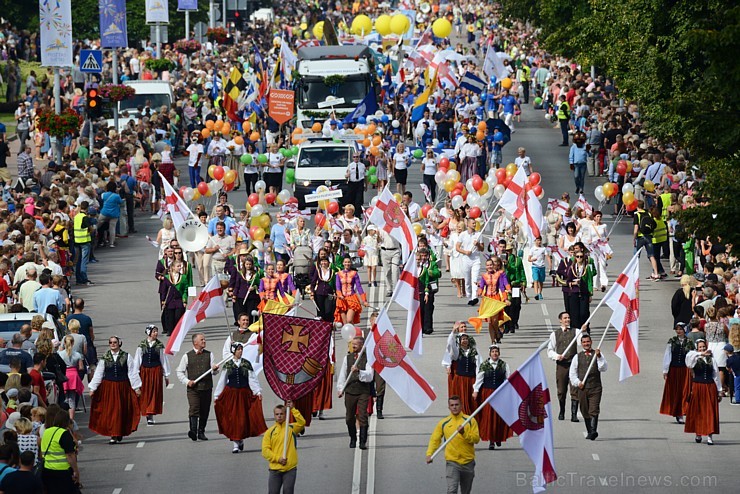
(257, 203)
(606, 191)
(218, 126)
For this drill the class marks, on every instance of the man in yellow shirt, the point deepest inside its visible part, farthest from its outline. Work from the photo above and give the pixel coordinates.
(283, 469)
(460, 451)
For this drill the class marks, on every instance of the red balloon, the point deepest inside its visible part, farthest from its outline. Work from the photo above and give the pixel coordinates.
(203, 188)
(182, 191)
(425, 210)
(332, 207)
(477, 182)
(501, 175)
(361, 252)
(621, 168)
(270, 198)
(253, 199)
(464, 194)
(444, 163)
(535, 178)
(292, 200)
(474, 212)
(444, 169)
(229, 187)
(455, 192)
(320, 220)
(537, 189)
(218, 172)
(632, 206)
(459, 186)
(507, 181)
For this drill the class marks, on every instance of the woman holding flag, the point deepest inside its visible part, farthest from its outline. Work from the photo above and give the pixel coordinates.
(350, 295)
(238, 400)
(491, 374)
(244, 282)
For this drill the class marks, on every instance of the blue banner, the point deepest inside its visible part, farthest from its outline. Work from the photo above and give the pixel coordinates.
(187, 4)
(113, 31)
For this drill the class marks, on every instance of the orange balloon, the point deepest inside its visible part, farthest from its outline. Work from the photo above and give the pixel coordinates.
(297, 130)
(316, 127)
(239, 140)
(246, 127)
(209, 124)
(480, 135)
(374, 151)
(226, 128)
(206, 133)
(482, 126)
(377, 140)
(358, 131)
(295, 140)
(366, 142)
(218, 125)
(372, 128)
(254, 136)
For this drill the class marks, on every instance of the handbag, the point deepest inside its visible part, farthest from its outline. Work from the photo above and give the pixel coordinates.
(38, 469)
(445, 231)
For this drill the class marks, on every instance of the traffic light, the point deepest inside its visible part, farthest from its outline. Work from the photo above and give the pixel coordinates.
(94, 103)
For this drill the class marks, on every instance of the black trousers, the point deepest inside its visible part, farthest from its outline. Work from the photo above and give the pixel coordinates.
(199, 405)
(170, 317)
(577, 308)
(564, 129)
(429, 182)
(250, 179)
(130, 212)
(325, 306)
(356, 196)
(427, 313)
(514, 311)
(240, 306)
(525, 87)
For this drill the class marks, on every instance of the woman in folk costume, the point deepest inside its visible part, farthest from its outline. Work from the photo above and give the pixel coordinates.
(114, 390)
(268, 286)
(461, 361)
(173, 292)
(152, 365)
(702, 413)
(286, 285)
(578, 286)
(491, 374)
(676, 375)
(238, 400)
(186, 269)
(494, 284)
(350, 295)
(244, 283)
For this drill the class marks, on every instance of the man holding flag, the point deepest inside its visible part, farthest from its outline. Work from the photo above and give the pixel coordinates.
(588, 381)
(194, 365)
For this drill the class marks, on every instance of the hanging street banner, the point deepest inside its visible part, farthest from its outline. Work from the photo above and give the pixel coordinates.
(113, 29)
(55, 20)
(157, 11)
(187, 4)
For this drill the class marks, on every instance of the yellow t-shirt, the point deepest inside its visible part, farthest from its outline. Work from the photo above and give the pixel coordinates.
(272, 443)
(462, 447)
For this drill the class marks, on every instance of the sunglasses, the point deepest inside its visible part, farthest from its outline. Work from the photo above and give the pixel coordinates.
(579, 257)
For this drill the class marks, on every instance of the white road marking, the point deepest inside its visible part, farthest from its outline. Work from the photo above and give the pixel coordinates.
(585, 434)
(370, 486)
(544, 310)
(595, 457)
(117, 490)
(357, 471)
(140, 444)
(171, 386)
(548, 323)
(129, 467)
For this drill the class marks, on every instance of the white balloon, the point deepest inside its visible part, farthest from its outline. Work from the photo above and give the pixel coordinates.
(348, 332)
(283, 196)
(435, 142)
(469, 185)
(457, 202)
(379, 113)
(374, 201)
(214, 186)
(260, 186)
(226, 169)
(599, 193)
(396, 124)
(188, 194)
(257, 244)
(628, 188)
(451, 175)
(473, 199)
(257, 210)
(491, 180)
(488, 194)
(499, 190)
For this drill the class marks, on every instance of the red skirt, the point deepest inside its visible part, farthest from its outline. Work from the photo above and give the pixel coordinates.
(114, 410)
(305, 406)
(675, 392)
(239, 414)
(702, 415)
(322, 394)
(343, 305)
(491, 426)
(461, 386)
(152, 389)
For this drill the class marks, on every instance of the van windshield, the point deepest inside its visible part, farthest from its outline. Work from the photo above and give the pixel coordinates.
(154, 101)
(335, 156)
(313, 91)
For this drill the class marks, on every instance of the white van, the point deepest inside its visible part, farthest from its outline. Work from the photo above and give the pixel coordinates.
(152, 94)
(321, 162)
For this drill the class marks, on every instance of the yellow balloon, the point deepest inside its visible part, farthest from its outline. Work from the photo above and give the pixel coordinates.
(511, 169)
(264, 221)
(453, 165)
(196, 195)
(417, 229)
(248, 207)
(323, 204)
(441, 28)
(483, 188)
(318, 30)
(362, 25)
(399, 24)
(304, 26)
(306, 35)
(648, 186)
(449, 185)
(628, 198)
(506, 83)
(383, 25)
(397, 197)
(478, 224)
(258, 234)
(454, 175)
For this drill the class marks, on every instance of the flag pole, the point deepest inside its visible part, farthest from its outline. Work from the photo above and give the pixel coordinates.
(591, 364)
(616, 220)
(210, 370)
(287, 432)
(542, 346)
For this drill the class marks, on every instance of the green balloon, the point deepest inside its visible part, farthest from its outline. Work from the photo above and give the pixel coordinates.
(418, 153)
(246, 159)
(262, 158)
(538, 101)
(283, 152)
(373, 179)
(337, 140)
(294, 150)
(194, 97)
(373, 170)
(290, 175)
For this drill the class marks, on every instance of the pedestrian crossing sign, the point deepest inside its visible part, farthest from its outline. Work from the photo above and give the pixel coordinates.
(91, 61)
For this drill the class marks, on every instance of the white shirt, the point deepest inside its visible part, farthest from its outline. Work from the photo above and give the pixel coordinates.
(469, 150)
(523, 162)
(366, 375)
(217, 148)
(133, 373)
(182, 369)
(400, 159)
(693, 357)
(538, 254)
(573, 372)
(254, 383)
(414, 211)
(356, 171)
(481, 374)
(274, 159)
(430, 166)
(162, 358)
(238, 149)
(194, 150)
(467, 241)
(552, 353)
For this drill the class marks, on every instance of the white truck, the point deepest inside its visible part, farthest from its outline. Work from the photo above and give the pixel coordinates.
(152, 95)
(346, 72)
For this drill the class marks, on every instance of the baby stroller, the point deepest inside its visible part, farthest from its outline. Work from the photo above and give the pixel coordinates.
(301, 266)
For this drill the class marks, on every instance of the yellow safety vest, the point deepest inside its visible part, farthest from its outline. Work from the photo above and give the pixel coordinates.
(54, 456)
(561, 114)
(660, 234)
(665, 200)
(82, 235)
(526, 74)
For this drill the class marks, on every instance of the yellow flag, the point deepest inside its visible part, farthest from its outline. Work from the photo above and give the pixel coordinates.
(273, 307)
(490, 307)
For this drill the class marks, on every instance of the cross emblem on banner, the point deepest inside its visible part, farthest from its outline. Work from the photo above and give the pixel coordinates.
(205, 300)
(295, 338)
(521, 212)
(172, 200)
(632, 309)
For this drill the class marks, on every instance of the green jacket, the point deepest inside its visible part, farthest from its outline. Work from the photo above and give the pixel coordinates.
(428, 275)
(515, 271)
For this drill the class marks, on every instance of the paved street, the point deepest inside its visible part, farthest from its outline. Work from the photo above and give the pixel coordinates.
(638, 450)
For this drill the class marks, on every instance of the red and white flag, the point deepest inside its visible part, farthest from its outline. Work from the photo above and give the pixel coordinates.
(523, 402)
(445, 76)
(583, 204)
(176, 206)
(558, 205)
(624, 299)
(406, 294)
(387, 356)
(209, 303)
(523, 205)
(388, 216)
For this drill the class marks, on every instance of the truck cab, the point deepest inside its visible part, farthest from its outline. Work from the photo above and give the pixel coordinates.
(321, 161)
